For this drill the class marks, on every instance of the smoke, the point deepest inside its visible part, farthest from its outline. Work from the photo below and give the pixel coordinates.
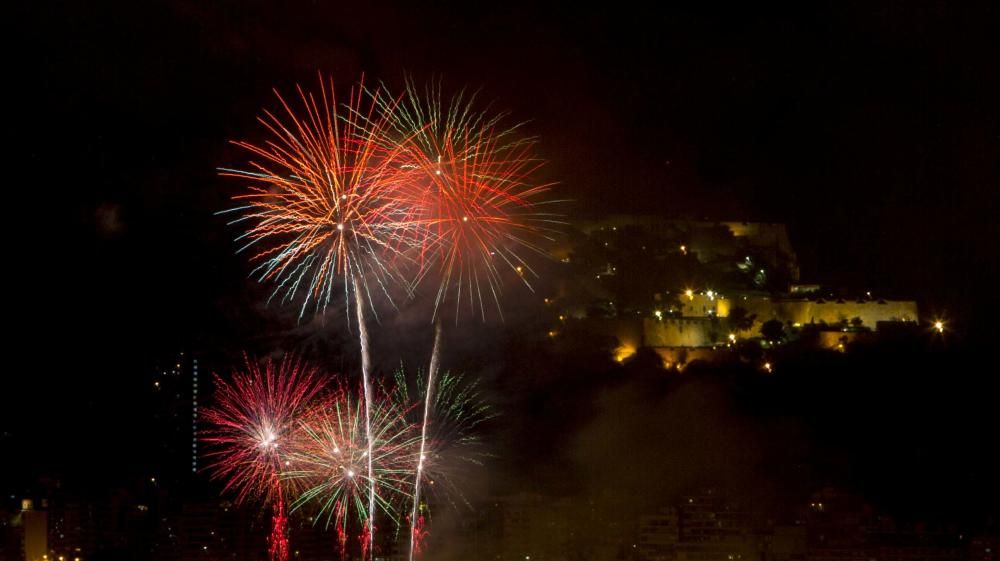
(650, 443)
(108, 220)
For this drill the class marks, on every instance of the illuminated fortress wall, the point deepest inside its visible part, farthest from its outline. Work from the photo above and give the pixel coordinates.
(802, 311)
(692, 332)
(699, 305)
(679, 332)
(830, 312)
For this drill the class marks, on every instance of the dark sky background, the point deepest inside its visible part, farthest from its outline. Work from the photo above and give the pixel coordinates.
(870, 128)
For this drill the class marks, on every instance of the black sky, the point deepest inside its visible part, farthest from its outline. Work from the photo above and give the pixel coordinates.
(871, 128)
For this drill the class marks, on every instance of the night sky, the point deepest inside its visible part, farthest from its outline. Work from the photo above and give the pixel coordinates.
(870, 128)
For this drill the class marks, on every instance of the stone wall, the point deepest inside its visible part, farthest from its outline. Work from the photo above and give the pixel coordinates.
(681, 332)
(831, 311)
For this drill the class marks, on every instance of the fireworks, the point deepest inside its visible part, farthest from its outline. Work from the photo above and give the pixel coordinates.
(276, 439)
(373, 193)
(327, 465)
(252, 421)
(473, 195)
(360, 192)
(478, 209)
(324, 201)
(453, 439)
(450, 438)
(251, 424)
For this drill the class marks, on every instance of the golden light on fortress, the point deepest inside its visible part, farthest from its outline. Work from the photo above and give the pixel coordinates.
(623, 352)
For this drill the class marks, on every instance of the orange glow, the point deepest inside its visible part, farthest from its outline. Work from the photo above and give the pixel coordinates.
(623, 352)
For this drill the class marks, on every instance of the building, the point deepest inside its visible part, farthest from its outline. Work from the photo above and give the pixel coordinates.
(711, 528)
(658, 535)
(35, 532)
(785, 543)
(177, 391)
(984, 548)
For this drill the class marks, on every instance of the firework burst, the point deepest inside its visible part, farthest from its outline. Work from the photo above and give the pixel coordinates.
(479, 210)
(327, 464)
(454, 436)
(359, 197)
(449, 440)
(250, 427)
(324, 199)
(326, 204)
(473, 195)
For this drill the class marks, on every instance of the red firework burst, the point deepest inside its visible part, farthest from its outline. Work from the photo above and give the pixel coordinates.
(478, 205)
(251, 423)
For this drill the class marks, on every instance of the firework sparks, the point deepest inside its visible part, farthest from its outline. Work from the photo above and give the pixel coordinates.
(420, 535)
(453, 437)
(351, 195)
(478, 209)
(324, 199)
(329, 459)
(278, 546)
(449, 440)
(250, 426)
(417, 532)
(326, 205)
(472, 194)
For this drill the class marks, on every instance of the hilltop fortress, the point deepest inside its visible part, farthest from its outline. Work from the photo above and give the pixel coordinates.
(681, 284)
